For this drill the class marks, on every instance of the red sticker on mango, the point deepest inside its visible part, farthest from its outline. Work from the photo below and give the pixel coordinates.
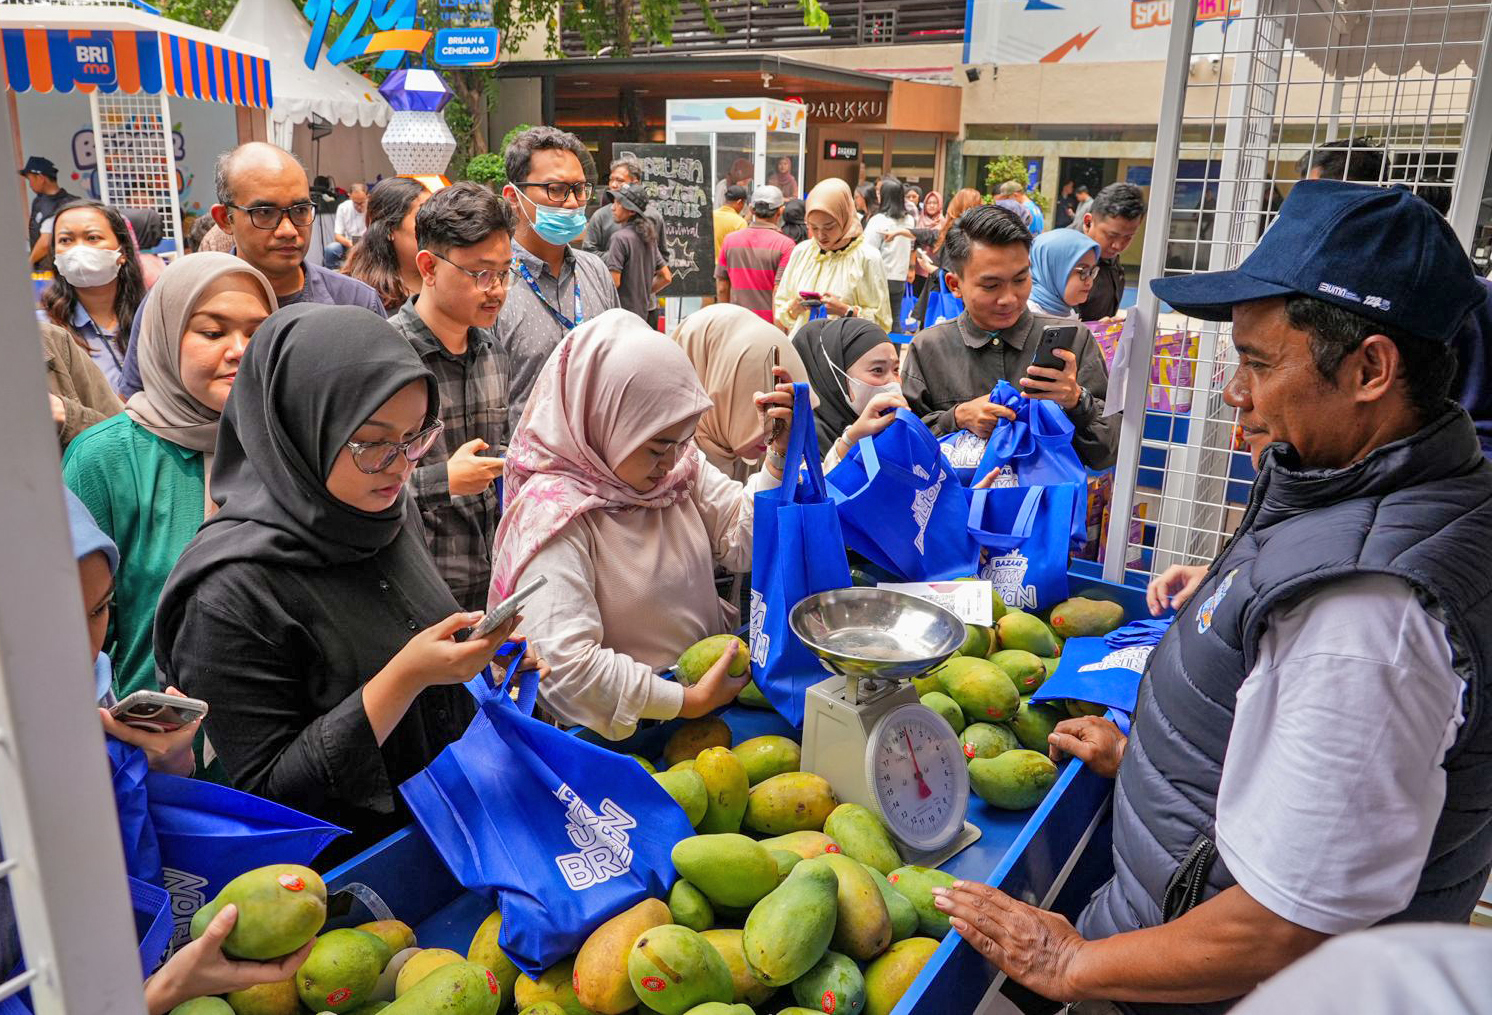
(828, 1002)
(653, 983)
(338, 996)
(291, 883)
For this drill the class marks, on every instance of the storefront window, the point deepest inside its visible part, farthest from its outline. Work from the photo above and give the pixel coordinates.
(735, 163)
(914, 159)
(784, 168)
(872, 157)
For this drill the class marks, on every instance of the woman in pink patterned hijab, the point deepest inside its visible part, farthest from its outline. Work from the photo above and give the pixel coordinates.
(607, 496)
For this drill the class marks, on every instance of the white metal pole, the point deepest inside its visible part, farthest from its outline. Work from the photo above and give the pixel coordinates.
(59, 822)
(1152, 265)
(1476, 148)
(173, 220)
(99, 160)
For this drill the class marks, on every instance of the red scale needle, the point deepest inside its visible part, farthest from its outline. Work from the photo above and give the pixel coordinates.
(923, 789)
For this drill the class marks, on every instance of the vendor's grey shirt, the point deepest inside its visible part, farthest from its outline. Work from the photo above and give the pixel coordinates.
(953, 362)
(528, 328)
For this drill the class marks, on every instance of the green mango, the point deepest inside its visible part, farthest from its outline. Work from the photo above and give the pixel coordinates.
(997, 609)
(985, 740)
(945, 707)
(397, 934)
(916, 884)
(371, 1008)
(543, 1008)
(341, 971)
(862, 923)
(806, 844)
(1086, 618)
(834, 984)
(1024, 631)
(278, 998)
(976, 641)
(721, 1008)
(673, 969)
(486, 952)
(1014, 780)
(203, 1006)
(791, 802)
(687, 787)
(786, 861)
(764, 757)
(927, 683)
(695, 736)
(1025, 671)
(647, 766)
(888, 978)
(556, 985)
(461, 988)
(748, 989)
(1077, 709)
(699, 657)
(600, 978)
(730, 869)
(687, 765)
(898, 907)
(981, 689)
(421, 964)
(280, 908)
(752, 697)
(1034, 723)
(861, 835)
(1050, 663)
(726, 788)
(688, 907)
(789, 930)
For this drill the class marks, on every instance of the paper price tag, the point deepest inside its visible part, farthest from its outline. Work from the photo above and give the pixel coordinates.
(969, 601)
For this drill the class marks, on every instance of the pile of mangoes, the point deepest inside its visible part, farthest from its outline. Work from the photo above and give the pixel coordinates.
(984, 692)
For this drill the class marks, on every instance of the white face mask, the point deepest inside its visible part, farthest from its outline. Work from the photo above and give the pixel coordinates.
(861, 393)
(88, 267)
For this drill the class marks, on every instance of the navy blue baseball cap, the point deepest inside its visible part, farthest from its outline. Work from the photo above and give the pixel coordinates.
(1382, 253)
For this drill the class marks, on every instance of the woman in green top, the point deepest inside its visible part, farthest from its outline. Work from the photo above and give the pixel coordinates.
(143, 475)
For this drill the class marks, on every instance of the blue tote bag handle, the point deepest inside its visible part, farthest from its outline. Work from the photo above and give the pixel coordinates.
(802, 471)
(1020, 528)
(485, 686)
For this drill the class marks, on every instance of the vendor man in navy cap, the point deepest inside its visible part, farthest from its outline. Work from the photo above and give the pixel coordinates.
(1312, 749)
(41, 174)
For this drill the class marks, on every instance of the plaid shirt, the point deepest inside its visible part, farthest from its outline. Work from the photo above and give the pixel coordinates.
(473, 403)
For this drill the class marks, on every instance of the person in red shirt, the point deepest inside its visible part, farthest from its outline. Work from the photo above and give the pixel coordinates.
(752, 259)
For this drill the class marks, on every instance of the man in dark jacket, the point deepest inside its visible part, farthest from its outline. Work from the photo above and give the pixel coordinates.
(1308, 755)
(1112, 222)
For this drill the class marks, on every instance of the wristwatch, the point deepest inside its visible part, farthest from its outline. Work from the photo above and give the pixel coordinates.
(1084, 408)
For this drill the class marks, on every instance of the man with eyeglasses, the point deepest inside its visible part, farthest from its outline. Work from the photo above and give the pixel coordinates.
(464, 234)
(555, 286)
(264, 203)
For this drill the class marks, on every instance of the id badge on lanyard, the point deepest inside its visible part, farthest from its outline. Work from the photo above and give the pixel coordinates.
(564, 321)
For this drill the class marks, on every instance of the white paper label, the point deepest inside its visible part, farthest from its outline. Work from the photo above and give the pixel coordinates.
(969, 601)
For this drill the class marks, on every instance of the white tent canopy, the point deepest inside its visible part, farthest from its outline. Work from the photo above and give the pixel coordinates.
(332, 91)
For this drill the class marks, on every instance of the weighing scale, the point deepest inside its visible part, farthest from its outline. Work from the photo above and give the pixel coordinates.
(864, 729)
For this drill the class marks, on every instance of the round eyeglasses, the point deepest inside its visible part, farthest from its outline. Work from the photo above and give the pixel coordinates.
(372, 457)
(484, 279)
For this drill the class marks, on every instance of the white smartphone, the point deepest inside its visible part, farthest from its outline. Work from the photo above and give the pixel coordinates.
(155, 712)
(505, 610)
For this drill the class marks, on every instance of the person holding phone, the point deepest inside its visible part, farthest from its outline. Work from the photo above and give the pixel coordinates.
(609, 497)
(833, 267)
(952, 367)
(308, 612)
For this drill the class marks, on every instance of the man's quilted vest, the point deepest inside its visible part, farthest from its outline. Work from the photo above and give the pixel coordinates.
(1419, 509)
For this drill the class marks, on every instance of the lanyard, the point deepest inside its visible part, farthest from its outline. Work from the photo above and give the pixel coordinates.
(564, 321)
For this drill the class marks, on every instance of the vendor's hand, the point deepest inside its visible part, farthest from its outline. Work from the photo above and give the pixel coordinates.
(1173, 587)
(434, 656)
(979, 416)
(201, 969)
(1060, 386)
(716, 688)
(164, 752)
(1035, 948)
(470, 472)
(776, 408)
(59, 409)
(836, 306)
(1096, 742)
(878, 415)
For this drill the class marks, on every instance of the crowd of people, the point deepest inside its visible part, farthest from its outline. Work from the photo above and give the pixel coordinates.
(305, 485)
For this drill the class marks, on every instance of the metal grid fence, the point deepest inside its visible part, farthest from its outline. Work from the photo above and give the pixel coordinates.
(1381, 89)
(137, 168)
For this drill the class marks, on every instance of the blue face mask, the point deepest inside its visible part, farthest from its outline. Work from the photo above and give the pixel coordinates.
(555, 225)
(103, 677)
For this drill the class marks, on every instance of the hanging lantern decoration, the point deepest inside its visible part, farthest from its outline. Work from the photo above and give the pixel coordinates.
(417, 140)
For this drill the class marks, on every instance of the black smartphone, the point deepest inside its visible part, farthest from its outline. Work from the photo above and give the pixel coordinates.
(1054, 337)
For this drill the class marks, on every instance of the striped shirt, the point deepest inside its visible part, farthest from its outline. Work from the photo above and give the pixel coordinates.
(753, 259)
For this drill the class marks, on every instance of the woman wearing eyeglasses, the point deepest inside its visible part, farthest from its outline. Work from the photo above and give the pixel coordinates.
(307, 612)
(144, 474)
(1062, 271)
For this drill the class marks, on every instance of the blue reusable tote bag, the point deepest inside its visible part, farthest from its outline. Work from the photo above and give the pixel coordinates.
(1037, 447)
(901, 506)
(797, 550)
(560, 834)
(1023, 533)
(942, 305)
(130, 771)
(210, 834)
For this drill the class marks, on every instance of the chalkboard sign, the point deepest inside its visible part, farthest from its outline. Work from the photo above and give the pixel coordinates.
(676, 179)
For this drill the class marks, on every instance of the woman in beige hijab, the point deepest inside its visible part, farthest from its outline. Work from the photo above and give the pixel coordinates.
(731, 349)
(144, 474)
(833, 266)
(609, 498)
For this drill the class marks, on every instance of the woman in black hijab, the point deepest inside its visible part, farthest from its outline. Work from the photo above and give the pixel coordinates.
(307, 611)
(854, 370)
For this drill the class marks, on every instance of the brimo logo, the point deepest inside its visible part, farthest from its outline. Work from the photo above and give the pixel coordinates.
(605, 849)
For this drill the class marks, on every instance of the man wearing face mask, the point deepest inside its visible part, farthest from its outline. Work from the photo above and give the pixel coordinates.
(556, 287)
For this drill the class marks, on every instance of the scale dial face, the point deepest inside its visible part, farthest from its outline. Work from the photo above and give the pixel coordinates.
(918, 777)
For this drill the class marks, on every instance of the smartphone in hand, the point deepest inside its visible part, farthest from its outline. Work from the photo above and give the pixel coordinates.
(1054, 337)
(155, 712)
(507, 609)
